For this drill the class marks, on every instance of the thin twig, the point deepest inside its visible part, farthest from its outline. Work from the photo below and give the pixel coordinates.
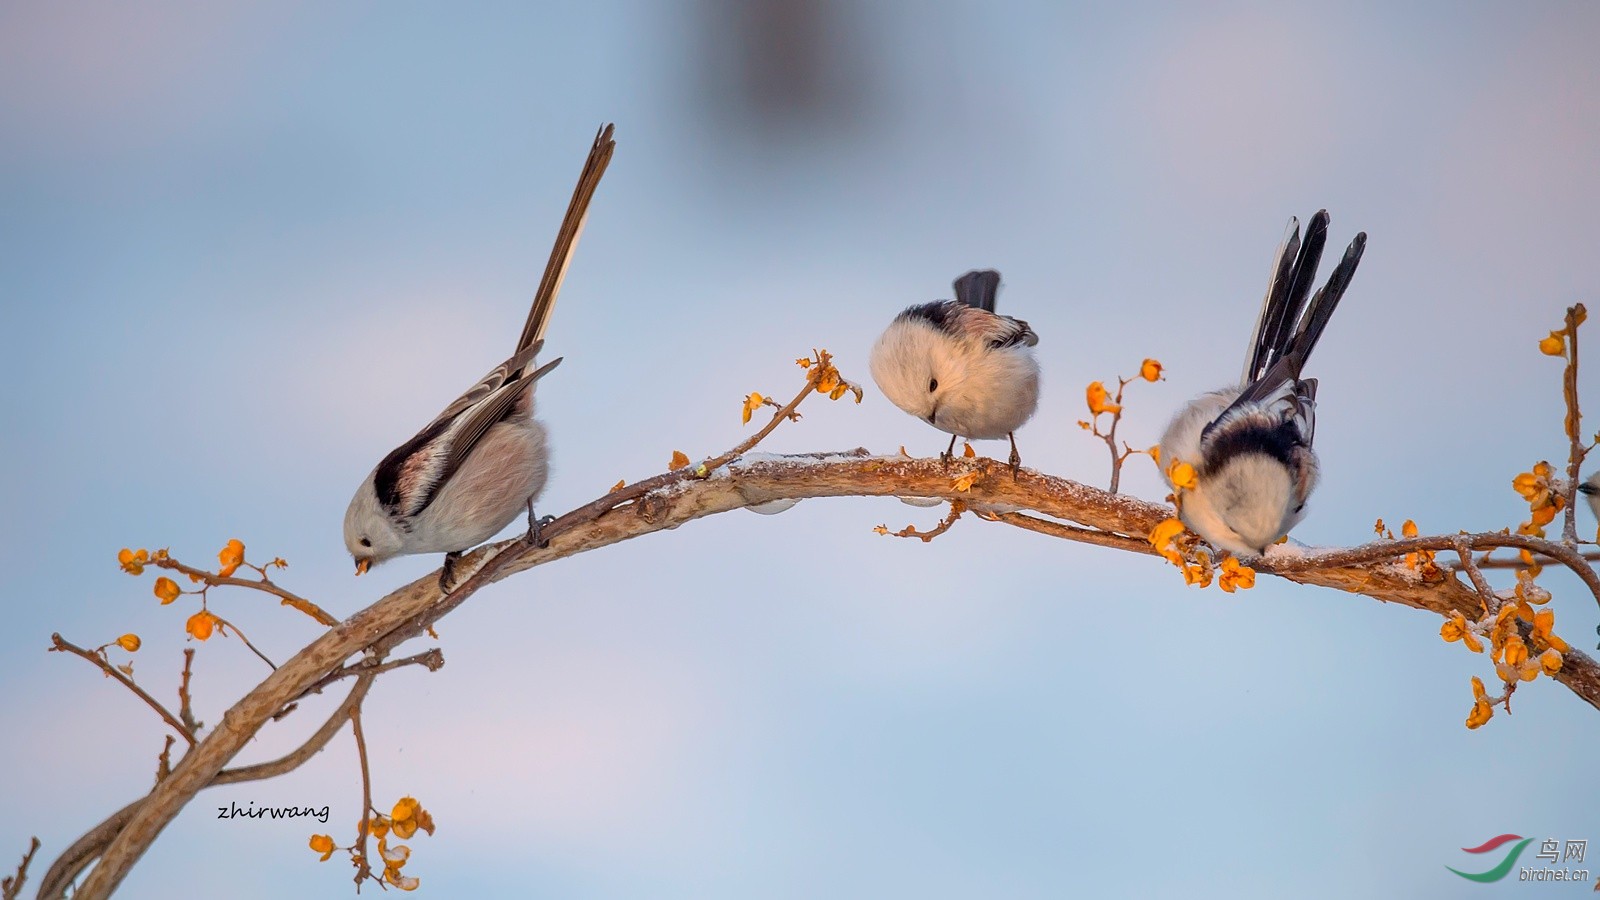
(784, 413)
(1110, 436)
(1485, 563)
(63, 645)
(185, 707)
(1491, 601)
(956, 509)
(1074, 533)
(1382, 550)
(164, 761)
(1576, 451)
(11, 887)
(363, 865)
(214, 580)
(221, 621)
(432, 660)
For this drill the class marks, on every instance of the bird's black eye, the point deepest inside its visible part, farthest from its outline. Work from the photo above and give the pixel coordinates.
(933, 385)
(365, 542)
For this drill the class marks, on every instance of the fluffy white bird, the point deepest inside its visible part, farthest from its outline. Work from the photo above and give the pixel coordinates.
(960, 366)
(1250, 446)
(484, 460)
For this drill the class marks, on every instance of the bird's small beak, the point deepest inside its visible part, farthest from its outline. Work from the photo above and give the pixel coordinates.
(362, 565)
(1588, 488)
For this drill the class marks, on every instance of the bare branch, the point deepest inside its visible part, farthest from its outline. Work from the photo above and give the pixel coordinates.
(185, 707)
(785, 412)
(63, 645)
(1491, 602)
(432, 660)
(1576, 451)
(1379, 551)
(221, 623)
(11, 887)
(300, 755)
(1074, 533)
(164, 761)
(1110, 435)
(1484, 562)
(1111, 438)
(71, 863)
(956, 509)
(362, 862)
(212, 579)
(682, 496)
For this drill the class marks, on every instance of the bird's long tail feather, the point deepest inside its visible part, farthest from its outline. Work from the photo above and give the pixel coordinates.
(555, 271)
(1293, 272)
(1320, 310)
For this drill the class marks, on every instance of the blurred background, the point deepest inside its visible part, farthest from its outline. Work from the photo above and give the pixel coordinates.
(246, 249)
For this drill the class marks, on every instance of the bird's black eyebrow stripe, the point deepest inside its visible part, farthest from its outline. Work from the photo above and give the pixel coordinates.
(941, 314)
(1227, 442)
(386, 479)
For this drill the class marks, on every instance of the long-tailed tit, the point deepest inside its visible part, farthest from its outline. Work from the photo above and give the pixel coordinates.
(483, 460)
(960, 366)
(1590, 488)
(1250, 446)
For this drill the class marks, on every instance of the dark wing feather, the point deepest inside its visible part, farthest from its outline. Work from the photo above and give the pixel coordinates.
(397, 475)
(555, 271)
(971, 315)
(978, 289)
(478, 422)
(400, 475)
(969, 323)
(1010, 332)
(488, 384)
(944, 315)
(407, 480)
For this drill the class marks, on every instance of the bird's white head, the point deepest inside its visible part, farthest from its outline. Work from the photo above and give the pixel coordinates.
(369, 534)
(918, 367)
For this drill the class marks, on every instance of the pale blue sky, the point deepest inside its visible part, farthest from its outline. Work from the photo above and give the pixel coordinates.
(245, 250)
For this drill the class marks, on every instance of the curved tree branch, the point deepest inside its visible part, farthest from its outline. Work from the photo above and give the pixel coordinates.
(669, 500)
(71, 863)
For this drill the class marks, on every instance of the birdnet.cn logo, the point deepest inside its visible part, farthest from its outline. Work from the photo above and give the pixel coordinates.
(1549, 864)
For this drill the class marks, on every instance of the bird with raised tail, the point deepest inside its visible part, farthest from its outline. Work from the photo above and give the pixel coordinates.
(960, 366)
(1250, 447)
(484, 460)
